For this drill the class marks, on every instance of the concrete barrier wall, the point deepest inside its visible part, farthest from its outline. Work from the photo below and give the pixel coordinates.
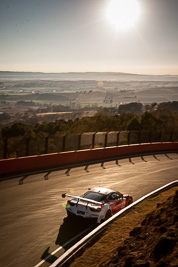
(47, 161)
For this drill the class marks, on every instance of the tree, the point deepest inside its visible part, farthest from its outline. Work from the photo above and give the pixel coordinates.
(133, 107)
(134, 124)
(17, 129)
(150, 122)
(124, 118)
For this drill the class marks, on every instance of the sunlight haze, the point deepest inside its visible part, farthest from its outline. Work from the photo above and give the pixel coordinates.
(79, 36)
(123, 14)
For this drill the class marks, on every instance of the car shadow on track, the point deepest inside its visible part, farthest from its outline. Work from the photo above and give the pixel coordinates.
(72, 230)
(48, 257)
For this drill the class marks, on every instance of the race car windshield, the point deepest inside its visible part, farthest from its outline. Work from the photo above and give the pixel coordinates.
(94, 196)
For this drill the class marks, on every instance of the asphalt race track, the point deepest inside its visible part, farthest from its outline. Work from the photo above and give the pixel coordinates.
(33, 221)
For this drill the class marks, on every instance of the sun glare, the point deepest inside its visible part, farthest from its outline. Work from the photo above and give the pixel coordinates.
(123, 14)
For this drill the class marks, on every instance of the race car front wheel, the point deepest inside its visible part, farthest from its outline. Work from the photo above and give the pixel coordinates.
(130, 201)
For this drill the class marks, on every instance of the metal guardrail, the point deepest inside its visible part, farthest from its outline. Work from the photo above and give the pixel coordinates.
(79, 245)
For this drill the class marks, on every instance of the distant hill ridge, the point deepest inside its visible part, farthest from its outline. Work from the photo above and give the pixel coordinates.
(99, 76)
(83, 73)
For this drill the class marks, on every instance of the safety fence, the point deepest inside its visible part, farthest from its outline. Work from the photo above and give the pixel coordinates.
(16, 147)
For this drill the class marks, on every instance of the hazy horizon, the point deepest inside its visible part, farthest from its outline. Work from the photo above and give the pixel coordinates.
(98, 76)
(85, 72)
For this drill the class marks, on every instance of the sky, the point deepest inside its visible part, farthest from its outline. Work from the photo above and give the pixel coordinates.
(77, 36)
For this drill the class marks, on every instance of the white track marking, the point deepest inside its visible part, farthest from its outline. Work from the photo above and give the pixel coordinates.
(58, 249)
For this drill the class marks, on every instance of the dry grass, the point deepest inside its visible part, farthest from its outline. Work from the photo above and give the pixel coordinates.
(102, 250)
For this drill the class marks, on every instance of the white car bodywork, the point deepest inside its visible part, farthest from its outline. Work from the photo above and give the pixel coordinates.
(88, 208)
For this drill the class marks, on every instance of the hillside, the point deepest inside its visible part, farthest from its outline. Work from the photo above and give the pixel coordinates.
(154, 242)
(146, 237)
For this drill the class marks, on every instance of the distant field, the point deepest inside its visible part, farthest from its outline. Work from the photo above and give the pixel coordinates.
(101, 97)
(86, 89)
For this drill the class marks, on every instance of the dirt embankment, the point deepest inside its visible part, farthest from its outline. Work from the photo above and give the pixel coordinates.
(153, 242)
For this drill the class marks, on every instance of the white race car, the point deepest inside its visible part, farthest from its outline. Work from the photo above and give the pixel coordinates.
(97, 203)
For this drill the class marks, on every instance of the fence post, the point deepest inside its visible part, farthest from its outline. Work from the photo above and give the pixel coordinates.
(139, 137)
(93, 140)
(106, 139)
(79, 141)
(118, 134)
(27, 146)
(5, 147)
(64, 143)
(160, 135)
(171, 137)
(46, 144)
(150, 137)
(128, 138)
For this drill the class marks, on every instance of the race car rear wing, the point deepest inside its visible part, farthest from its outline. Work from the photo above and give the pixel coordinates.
(83, 199)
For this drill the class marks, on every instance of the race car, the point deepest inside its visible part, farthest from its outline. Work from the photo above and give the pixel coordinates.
(97, 203)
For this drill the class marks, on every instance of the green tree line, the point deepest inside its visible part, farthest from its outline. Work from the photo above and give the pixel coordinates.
(160, 120)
